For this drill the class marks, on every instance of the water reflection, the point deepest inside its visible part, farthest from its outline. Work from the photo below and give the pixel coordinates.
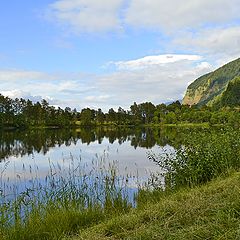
(29, 155)
(35, 148)
(20, 143)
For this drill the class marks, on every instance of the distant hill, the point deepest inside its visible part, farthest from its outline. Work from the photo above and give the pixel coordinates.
(220, 87)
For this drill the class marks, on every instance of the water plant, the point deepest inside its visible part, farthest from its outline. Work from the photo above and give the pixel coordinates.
(68, 199)
(75, 196)
(203, 156)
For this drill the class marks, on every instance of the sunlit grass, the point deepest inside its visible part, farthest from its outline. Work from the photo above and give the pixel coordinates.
(207, 212)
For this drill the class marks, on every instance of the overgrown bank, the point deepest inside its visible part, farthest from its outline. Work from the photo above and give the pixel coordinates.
(97, 203)
(211, 211)
(200, 199)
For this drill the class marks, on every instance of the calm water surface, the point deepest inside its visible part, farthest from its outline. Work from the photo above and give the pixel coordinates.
(29, 154)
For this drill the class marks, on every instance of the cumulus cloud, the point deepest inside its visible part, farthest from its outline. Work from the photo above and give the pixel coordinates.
(160, 80)
(87, 15)
(157, 83)
(150, 61)
(178, 14)
(110, 15)
(57, 88)
(17, 93)
(220, 43)
(203, 26)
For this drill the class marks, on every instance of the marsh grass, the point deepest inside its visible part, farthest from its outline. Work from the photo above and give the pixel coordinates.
(94, 201)
(203, 157)
(68, 199)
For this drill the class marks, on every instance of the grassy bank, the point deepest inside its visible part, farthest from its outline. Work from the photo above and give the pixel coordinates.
(180, 124)
(199, 198)
(211, 211)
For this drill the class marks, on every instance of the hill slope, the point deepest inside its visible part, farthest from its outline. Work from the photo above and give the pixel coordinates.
(231, 96)
(208, 88)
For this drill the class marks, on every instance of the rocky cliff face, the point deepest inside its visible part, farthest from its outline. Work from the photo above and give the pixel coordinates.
(209, 88)
(194, 96)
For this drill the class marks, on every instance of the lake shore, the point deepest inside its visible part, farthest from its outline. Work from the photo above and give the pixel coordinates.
(195, 195)
(207, 212)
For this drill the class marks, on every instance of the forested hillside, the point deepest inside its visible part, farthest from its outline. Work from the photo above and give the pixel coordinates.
(209, 88)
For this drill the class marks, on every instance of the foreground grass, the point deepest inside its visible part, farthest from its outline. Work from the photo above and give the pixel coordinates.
(195, 203)
(211, 211)
(69, 200)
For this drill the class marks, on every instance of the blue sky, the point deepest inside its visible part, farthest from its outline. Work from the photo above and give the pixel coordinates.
(110, 53)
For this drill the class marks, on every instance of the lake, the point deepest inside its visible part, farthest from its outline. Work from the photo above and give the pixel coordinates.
(27, 155)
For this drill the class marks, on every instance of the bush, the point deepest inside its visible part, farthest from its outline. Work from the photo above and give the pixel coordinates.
(203, 157)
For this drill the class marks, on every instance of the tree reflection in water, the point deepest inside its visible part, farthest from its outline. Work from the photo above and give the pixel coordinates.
(21, 143)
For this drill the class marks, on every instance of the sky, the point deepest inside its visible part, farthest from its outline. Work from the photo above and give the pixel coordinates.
(110, 53)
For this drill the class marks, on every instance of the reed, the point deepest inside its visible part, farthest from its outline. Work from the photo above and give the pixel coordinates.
(68, 199)
(203, 156)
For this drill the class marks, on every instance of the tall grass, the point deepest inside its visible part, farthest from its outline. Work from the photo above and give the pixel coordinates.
(76, 197)
(205, 212)
(203, 156)
(67, 200)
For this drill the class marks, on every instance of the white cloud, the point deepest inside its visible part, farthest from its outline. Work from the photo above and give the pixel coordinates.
(160, 80)
(111, 15)
(12, 75)
(57, 88)
(17, 93)
(155, 83)
(220, 43)
(87, 15)
(203, 66)
(209, 28)
(178, 14)
(151, 61)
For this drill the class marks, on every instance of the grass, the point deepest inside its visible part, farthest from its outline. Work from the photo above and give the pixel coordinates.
(211, 211)
(199, 198)
(68, 199)
(201, 158)
(179, 124)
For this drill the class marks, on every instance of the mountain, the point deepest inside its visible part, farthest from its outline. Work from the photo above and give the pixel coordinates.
(231, 96)
(217, 87)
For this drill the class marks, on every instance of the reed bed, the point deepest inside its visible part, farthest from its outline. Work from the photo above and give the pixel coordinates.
(69, 198)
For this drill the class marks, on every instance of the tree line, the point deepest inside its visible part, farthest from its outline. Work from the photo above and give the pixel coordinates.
(21, 113)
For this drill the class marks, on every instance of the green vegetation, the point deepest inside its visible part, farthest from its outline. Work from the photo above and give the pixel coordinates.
(206, 212)
(68, 199)
(231, 97)
(208, 88)
(202, 157)
(199, 197)
(20, 113)
(27, 115)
